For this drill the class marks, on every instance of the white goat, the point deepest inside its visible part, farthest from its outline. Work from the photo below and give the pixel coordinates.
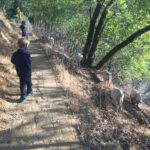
(117, 96)
(76, 58)
(107, 76)
(51, 40)
(27, 43)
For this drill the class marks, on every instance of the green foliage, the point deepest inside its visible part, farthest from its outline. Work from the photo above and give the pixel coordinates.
(76, 28)
(123, 19)
(72, 18)
(20, 15)
(5, 3)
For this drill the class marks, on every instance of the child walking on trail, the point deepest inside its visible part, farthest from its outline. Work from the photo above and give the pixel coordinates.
(22, 61)
(23, 29)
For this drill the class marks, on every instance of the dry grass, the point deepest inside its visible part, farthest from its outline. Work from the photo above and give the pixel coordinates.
(5, 22)
(8, 40)
(104, 129)
(70, 82)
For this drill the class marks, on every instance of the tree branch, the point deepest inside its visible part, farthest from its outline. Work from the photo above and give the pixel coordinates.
(91, 29)
(118, 47)
(99, 30)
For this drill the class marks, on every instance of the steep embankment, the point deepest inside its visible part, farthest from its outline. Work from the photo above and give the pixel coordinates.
(8, 38)
(104, 129)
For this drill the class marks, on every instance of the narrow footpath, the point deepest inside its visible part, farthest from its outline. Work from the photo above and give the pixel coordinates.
(42, 122)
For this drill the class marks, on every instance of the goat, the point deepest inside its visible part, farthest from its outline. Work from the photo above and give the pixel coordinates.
(135, 97)
(117, 96)
(51, 40)
(107, 76)
(76, 58)
(27, 43)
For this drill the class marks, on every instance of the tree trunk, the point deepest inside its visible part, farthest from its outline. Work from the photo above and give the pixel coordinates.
(91, 30)
(98, 31)
(118, 47)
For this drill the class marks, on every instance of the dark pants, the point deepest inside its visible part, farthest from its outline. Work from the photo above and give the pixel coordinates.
(25, 82)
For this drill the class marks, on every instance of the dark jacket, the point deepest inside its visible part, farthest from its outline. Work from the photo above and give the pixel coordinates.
(22, 61)
(23, 30)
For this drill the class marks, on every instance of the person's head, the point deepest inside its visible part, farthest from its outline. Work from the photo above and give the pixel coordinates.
(23, 22)
(22, 42)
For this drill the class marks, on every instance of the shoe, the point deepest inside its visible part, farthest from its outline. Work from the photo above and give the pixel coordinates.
(29, 94)
(23, 99)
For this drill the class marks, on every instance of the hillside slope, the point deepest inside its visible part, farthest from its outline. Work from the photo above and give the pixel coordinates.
(101, 129)
(8, 40)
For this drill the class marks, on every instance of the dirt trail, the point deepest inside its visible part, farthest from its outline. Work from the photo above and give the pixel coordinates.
(43, 121)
